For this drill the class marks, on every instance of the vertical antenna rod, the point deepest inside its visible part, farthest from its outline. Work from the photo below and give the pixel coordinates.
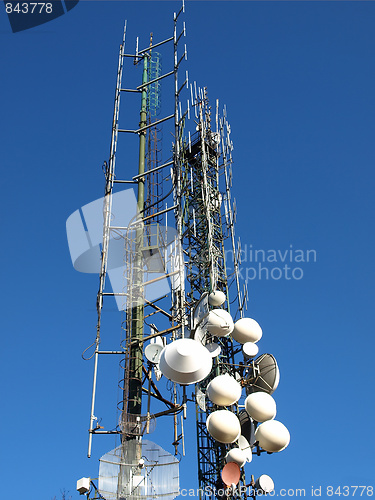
(110, 176)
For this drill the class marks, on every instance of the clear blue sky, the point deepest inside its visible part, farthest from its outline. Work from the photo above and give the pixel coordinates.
(298, 82)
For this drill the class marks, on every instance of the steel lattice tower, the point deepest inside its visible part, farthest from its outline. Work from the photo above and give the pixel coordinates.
(207, 223)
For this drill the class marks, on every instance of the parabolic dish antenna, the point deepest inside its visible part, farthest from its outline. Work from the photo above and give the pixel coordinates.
(246, 330)
(231, 474)
(237, 456)
(200, 398)
(223, 426)
(264, 376)
(260, 406)
(265, 484)
(153, 352)
(250, 350)
(200, 334)
(247, 427)
(185, 361)
(201, 309)
(219, 322)
(216, 298)
(244, 444)
(121, 477)
(214, 349)
(272, 435)
(224, 390)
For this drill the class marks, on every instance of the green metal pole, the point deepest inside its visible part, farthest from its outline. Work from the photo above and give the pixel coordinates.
(136, 354)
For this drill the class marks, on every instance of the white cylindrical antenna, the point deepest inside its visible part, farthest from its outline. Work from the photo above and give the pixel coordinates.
(124, 35)
(166, 220)
(182, 431)
(245, 294)
(217, 116)
(188, 110)
(136, 50)
(226, 211)
(185, 53)
(187, 79)
(239, 250)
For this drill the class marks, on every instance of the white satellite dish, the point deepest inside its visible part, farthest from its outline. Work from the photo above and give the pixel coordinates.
(216, 298)
(214, 349)
(219, 322)
(224, 390)
(236, 455)
(250, 350)
(246, 330)
(264, 484)
(185, 361)
(260, 406)
(153, 352)
(200, 334)
(223, 426)
(272, 435)
(244, 444)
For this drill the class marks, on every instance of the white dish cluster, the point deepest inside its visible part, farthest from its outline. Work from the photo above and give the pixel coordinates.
(187, 361)
(224, 426)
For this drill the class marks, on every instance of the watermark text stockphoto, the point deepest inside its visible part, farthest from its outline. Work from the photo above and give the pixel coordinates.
(288, 263)
(310, 491)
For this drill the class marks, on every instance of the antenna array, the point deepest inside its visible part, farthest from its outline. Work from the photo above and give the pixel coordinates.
(176, 238)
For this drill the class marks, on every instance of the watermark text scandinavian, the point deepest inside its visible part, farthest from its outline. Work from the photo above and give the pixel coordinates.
(270, 264)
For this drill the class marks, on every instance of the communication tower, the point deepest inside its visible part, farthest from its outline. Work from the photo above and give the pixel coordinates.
(172, 258)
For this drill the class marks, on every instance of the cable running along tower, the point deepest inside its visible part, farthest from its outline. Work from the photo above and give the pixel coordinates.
(171, 261)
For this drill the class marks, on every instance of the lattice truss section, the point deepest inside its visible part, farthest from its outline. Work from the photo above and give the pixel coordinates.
(208, 221)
